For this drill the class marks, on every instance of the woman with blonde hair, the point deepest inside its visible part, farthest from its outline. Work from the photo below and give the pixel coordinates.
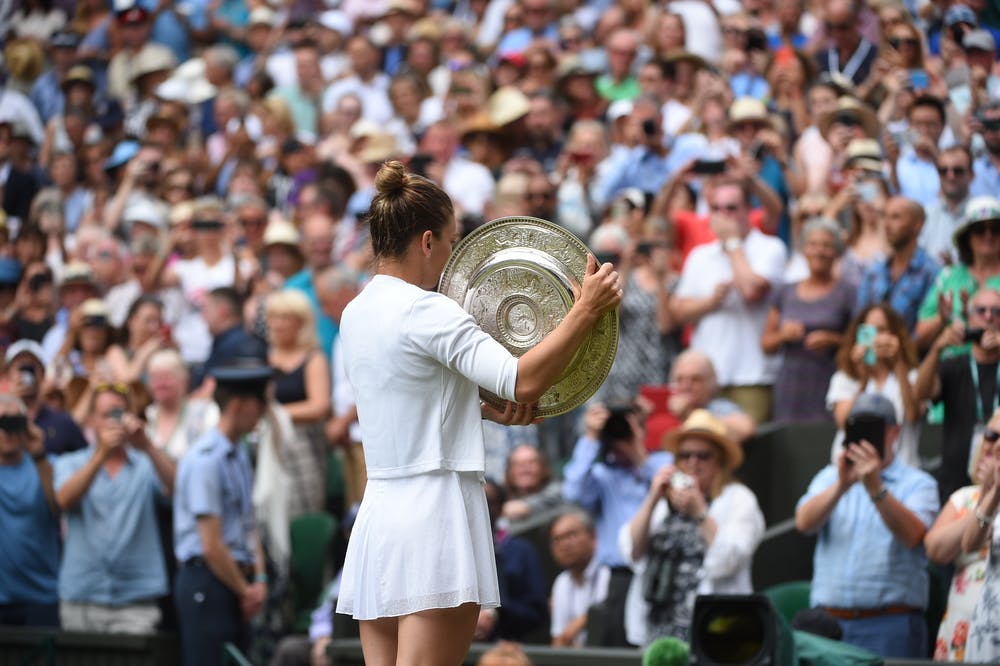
(302, 387)
(174, 420)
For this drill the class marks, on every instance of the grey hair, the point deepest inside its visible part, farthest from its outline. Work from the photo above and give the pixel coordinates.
(702, 358)
(222, 55)
(970, 304)
(238, 98)
(815, 224)
(336, 278)
(584, 517)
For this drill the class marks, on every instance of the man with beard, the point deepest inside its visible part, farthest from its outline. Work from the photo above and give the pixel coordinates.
(944, 216)
(907, 274)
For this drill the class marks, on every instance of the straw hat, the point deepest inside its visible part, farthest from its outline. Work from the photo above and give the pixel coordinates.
(78, 74)
(281, 232)
(864, 154)
(506, 105)
(683, 55)
(849, 107)
(479, 123)
(152, 58)
(378, 148)
(701, 423)
(748, 109)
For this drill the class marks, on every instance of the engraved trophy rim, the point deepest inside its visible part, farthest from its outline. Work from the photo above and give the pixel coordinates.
(519, 317)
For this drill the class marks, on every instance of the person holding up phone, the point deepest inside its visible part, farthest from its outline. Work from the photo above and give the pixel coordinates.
(871, 505)
(966, 383)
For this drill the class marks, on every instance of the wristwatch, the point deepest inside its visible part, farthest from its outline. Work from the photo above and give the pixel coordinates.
(732, 244)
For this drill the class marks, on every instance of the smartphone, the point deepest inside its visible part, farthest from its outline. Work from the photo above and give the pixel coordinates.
(649, 127)
(38, 280)
(14, 424)
(117, 413)
(868, 190)
(27, 375)
(973, 335)
(868, 428)
(758, 150)
(866, 338)
(606, 258)
(709, 167)
(919, 79)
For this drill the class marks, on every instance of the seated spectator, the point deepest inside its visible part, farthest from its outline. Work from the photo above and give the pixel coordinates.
(693, 385)
(504, 653)
(529, 484)
(805, 324)
(907, 274)
(29, 594)
(877, 356)
(609, 474)
(26, 381)
(523, 590)
(870, 512)
(112, 569)
(978, 267)
(944, 544)
(966, 384)
(583, 581)
(694, 533)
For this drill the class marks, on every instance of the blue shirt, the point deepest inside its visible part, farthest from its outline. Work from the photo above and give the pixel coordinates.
(29, 549)
(326, 328)
(987, 179)
(113, 554)
(905, 294)
(918, 179)
(214, 479)
(613, 493)
(858, 563)
(47, 95)
(636, 167)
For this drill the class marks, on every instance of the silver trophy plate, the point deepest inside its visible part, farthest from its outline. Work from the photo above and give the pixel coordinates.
(516, 277)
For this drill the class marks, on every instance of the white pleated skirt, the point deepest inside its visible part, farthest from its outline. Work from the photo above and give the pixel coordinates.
(420, 542)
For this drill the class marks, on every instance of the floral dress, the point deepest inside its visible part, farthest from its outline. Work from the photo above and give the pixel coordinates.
(966, 585)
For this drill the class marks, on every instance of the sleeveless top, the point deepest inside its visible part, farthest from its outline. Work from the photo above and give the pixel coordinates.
(290, 386)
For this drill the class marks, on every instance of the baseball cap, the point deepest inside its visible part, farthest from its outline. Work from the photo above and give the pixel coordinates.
(873, 404)
(979, 39)
(24, 346)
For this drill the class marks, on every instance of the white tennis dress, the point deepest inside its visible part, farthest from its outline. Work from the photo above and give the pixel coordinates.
(422, 538)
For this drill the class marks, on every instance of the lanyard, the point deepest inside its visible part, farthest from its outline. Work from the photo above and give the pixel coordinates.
(974, 369)
(851, 68)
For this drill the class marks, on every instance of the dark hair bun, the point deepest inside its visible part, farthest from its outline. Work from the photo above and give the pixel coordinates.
(390, 178)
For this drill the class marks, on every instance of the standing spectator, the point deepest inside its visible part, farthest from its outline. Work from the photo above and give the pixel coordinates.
(174, 420)
(849, 54)
(29, 593)
(723, 292)
(302, 387)
(303, 99)
(609, 474)
(967, 385)
(468, 183)
(944, 214)
(318, 237)
(806, 323)
(870, 502)
(983, 644)
(907, 274)
(695, 532)
(944, 547)
(25, 377)
(221, 583)
(620, 82)
(141, 335)
(19, 187)
(223, 314)
(112, 568)
(644, 166)
(978, 267)
(583, 581)
(882, 361)
(986, 166)
(915, 171)
(365, 81)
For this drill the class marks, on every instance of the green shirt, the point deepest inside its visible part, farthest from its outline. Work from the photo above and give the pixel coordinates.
(609, 90)
(953, 280)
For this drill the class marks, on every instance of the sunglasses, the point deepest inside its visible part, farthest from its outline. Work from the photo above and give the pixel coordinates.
(896, 42)
(728, 208)
(983, 310)
(838, 27)
(991, 436)
(253, 221)
(981, 228)
(703, 456)
(955, 171)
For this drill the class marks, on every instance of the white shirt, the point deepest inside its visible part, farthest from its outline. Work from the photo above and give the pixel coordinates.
(198, 279)
(940, 225)
(416, 361)
(375, 104)
(342, 397)
(730, 335)
(570, 599)
(726, 567)
(469, 184)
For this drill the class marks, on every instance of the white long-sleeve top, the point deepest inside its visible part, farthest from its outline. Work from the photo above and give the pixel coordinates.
(726, 567)
(416, 361)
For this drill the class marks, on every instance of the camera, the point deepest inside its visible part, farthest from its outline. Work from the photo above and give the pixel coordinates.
(617, 428)
(649, 127)
(117, 413)
(14, 424)
(681, 481)
(708, 167)
(38, 280)
(973, 335)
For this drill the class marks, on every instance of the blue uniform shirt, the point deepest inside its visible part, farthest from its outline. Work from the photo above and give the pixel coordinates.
(112, 553)
(858, 562)
(214, 479)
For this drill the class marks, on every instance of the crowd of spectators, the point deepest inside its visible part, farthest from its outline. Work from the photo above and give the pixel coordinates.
(800, 195)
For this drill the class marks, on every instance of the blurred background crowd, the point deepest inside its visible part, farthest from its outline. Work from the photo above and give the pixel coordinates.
(800, 196)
